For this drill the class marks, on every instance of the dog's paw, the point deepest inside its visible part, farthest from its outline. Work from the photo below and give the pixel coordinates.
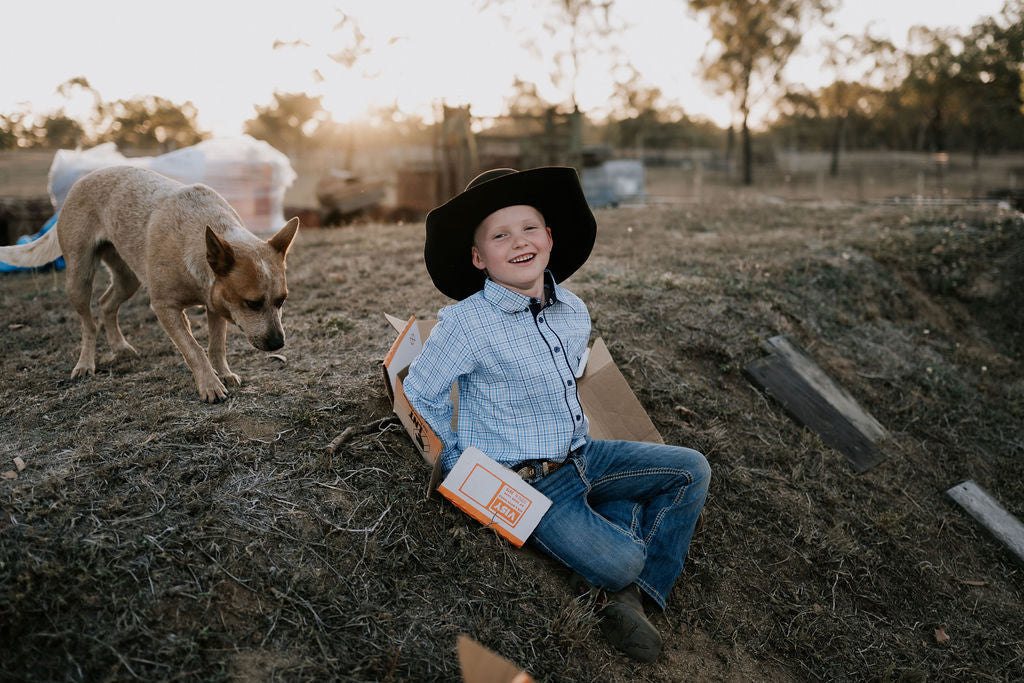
(83, 370)
(213, 396)
(229, 378)
(212, 392)
(124, 349)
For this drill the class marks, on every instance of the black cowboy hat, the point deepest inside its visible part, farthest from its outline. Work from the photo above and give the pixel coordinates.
(554, 191)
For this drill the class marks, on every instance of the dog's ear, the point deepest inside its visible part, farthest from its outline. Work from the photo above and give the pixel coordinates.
(283, 239)
(219, 253)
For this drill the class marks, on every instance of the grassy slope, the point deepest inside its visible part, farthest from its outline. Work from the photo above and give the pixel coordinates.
(152, 536)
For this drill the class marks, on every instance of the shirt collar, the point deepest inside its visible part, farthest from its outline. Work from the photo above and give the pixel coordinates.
(513, 302)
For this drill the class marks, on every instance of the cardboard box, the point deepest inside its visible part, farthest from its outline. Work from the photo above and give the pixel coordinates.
(480, 665)
(611, 406)
(495, 496)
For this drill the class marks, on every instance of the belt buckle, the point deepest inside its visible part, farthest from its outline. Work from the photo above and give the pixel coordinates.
(544, 468)
(527, 472)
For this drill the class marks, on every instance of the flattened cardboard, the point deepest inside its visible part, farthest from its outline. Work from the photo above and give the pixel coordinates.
(396, 366)
(495, 496)
(611, 406)
(480, 665)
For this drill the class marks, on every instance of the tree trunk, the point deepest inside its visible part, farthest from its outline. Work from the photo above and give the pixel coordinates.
(730, 150)
(976, 144)
(576, 139)
(837, 143)
(938, 128)
(748, 161)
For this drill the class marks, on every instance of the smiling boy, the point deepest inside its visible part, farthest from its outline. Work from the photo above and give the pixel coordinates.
(623, 513)
(512, 246)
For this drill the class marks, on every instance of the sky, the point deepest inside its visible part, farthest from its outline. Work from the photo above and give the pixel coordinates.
(220, 55)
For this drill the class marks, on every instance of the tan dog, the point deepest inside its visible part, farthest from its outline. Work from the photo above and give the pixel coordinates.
(187, 245)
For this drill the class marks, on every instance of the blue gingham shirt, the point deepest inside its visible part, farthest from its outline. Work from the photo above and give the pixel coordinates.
(515, 371)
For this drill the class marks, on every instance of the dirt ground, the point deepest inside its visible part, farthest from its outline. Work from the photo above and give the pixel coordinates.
(150, 536)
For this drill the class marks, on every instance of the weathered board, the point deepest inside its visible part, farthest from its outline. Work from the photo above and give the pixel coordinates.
(816, 401)
(987, 511)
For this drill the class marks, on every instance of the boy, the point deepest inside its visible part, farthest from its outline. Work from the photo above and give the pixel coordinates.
(622, 513)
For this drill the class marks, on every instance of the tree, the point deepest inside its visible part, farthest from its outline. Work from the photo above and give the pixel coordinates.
(852, 62)
(990, 77)
(842, 96)
(930, 92)
(525, 101)
(579, 28)
(288, 122)
(54, 131)
(58, 131)
(12, 130)
(755, 39)
(149, 123)
(639, 109)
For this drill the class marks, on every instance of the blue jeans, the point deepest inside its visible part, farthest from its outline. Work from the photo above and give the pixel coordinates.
(624, 513)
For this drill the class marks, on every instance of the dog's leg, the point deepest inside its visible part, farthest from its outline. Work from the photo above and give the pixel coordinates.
(123, 284)
(218, 348)
(78, 282)
(176, 325)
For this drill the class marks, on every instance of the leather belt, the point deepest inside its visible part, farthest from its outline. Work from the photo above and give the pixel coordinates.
(538, 469)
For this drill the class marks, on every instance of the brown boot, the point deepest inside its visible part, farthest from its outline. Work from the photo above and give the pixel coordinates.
(623, 621)
(625, 625)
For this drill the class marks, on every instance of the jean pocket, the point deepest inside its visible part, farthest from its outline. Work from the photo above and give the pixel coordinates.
(579, 461)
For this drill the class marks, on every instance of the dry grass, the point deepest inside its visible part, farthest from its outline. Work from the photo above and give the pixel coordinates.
(154, 537)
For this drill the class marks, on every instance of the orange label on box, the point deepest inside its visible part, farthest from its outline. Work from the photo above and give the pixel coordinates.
(507, 504)
(494, 495)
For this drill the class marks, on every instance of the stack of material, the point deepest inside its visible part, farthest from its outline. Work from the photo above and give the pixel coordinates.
(250, 174)
(342, 194)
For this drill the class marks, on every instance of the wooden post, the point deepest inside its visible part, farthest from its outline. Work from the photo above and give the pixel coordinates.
(987, 511)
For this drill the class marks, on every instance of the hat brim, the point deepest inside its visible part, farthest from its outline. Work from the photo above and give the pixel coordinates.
(554, 191)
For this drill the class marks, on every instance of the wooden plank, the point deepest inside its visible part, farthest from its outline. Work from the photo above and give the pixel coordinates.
(987, 511)
(816, 401)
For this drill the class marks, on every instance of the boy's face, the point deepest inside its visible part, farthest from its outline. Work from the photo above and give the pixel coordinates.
(513, 245)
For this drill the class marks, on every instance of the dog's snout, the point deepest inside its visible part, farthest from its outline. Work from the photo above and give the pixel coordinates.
(273, 341)
(266, 337)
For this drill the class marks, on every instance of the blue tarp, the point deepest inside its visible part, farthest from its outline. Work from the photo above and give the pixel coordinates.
(25, 239)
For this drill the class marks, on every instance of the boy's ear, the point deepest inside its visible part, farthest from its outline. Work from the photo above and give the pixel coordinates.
(478, 262)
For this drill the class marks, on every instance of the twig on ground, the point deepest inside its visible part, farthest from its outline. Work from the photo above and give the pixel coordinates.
(357, 430)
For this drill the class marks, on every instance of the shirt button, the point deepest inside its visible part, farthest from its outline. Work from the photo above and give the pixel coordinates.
(568, 383)
(557, 349)
(540, 319)
(579, 417)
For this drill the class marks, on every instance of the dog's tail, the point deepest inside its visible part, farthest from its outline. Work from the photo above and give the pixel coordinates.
(34, 254)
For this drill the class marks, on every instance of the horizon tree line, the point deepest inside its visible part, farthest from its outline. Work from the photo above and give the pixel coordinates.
(947, 91)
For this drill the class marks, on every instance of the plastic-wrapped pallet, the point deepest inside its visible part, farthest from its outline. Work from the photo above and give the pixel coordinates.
(613, 182)
(250, 174)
